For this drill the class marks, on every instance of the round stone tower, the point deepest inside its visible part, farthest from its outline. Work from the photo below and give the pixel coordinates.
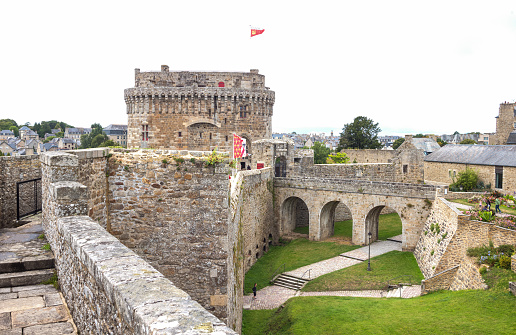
(197, 110)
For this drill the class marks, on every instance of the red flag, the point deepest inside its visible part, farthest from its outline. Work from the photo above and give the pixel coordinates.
(237, 146)
(256, 31)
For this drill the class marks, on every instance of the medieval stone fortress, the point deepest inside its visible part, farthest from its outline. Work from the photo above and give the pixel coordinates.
(157, 238)
(197, 110)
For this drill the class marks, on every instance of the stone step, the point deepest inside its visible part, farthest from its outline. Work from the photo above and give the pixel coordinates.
(27, 264)
(25, 278)
(291, 282)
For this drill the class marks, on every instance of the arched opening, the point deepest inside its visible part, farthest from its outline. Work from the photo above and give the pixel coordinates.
(327, 219)
(343, 223)
(280, 166)
(383, 223)
(294, 216)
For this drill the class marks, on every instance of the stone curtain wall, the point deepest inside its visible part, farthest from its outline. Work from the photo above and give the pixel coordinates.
(369, 155)
(374, 172)
(251, 231)
(172, 210)
(108, 288)
(13, 170)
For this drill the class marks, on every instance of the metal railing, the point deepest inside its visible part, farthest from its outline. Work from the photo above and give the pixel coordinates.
(275, 272)
(400, 285)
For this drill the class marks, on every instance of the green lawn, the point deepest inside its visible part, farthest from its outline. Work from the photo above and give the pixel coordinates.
(295, 254)
(444, 312)
(383, 268)
(389, 226)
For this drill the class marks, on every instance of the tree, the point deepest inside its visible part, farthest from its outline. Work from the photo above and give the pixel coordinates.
(93, 139)
(15, 130)
(337, 158)
(7, 123)
(320, 153)
(420, 136)
(467, 180)
(398, 142)
(362, 133)
(109, 143)
(441, 142)
(468, 141)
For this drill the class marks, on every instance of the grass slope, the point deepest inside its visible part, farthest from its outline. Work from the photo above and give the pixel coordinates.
(356, 277)
(295, 254)
(445, 312)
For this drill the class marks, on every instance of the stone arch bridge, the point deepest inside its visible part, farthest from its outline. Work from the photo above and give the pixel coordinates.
(364, 199)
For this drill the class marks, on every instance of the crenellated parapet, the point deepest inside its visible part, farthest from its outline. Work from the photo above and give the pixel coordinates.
(197, 110)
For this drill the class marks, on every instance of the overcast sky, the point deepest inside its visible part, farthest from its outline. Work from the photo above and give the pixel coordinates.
(412, 66)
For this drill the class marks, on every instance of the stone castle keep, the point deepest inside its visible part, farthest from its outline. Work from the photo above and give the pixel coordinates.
(197, 110)
(159, 241)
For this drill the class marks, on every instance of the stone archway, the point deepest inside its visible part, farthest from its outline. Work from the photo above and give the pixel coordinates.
(327, 219)
(294, 213)
(372, 222)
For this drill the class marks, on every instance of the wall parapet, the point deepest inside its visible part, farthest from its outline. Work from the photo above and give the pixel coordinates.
(109, 289)
(361, 186)
(439, 281)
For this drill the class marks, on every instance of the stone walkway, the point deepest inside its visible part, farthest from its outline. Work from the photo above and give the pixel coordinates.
(271, 297)
(26, 306)
(35, 309)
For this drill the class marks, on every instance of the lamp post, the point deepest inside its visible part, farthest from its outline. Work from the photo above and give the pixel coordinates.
(369, 258)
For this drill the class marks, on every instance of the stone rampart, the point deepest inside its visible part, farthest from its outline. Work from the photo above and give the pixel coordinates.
(171, 209)
(447, 236)
(251, 231)
(513, 263)
(13, 170)
(108, 288)
(438, 231)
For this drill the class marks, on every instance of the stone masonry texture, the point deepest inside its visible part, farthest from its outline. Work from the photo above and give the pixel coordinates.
(13, 170)
(109, 289)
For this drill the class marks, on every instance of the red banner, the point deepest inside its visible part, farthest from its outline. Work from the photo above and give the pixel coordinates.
(255, 31)
(238, 146)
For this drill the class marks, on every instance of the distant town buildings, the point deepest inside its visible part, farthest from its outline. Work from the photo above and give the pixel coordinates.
(29, 143)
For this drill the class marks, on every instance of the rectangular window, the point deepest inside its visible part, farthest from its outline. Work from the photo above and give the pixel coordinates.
(145, 132)
(405, 168)
(179, 134)
(498, 176)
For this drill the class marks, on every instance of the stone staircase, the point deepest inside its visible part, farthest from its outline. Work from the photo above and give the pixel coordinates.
(23, 258)
(291, 282)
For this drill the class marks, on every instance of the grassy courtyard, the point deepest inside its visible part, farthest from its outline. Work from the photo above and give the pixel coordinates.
(445, 312)
(384, 268)
(294, 254)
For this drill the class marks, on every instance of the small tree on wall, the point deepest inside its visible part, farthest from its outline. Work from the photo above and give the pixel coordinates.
(362, 133)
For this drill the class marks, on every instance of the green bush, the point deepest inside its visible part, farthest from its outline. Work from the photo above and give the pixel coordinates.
(486, 216)
(504, 262)
(467, 180)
